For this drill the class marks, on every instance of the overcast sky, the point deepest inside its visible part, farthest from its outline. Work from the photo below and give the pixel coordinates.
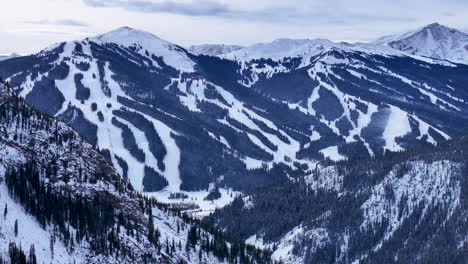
(30, 25)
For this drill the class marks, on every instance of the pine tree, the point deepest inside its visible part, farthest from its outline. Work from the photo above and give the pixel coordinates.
(192, 236)
(5, 211)
(16, 228)
(51, 245)
(32, 255)
(151, 235)
(168, 251)
(187, 246)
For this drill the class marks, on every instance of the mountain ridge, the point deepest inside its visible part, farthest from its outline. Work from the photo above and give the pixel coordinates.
(433, 40)
(213, 49)
(362, 210)
(250, 122)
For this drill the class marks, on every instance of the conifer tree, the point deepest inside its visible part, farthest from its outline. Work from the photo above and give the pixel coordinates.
(5, 211)
(16, 228)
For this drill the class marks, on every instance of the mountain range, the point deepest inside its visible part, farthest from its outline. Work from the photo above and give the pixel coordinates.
(250, 115)
(316, 125)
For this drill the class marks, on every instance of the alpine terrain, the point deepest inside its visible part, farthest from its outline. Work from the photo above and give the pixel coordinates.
(170, 120)
(114, 147)
(60, 207)
(434, 40)
(408, 207)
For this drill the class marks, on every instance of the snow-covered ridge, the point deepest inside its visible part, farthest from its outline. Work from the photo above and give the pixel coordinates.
(282, 48)
(415, 196)
(434, 40)
(172, 54)
(306, 49)
(213, 49)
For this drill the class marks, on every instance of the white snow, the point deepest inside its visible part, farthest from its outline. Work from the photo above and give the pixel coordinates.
(397, 126)
(197, 198)
(427, 184)
(434, 41)
(332, 153)
(109, 137)
(29, 232)
(171, 53)
(213, 49)
(326, 178)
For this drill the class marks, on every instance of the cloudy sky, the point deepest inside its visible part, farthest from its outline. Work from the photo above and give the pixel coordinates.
(29, 25)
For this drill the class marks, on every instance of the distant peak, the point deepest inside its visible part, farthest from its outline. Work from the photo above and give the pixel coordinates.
(127, 33)
(437, 26)
(147, 43)
(128, 30)
(434, 25)
(442, 32)
(125, 28)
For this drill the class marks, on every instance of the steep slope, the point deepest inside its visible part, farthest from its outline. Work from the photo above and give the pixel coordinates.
(213, 49)
(173, 121)
(404, 208)
(62, 202)
(435, 41)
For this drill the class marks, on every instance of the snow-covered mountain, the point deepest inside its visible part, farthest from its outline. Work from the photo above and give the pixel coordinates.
(404, 208)
(434, 40)
(171, 121)
(213, 49)
(62, 207)
(197, 130)
(141, 42)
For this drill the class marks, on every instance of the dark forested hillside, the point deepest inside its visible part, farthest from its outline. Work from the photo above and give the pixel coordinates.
(63, 202)
(364, 210)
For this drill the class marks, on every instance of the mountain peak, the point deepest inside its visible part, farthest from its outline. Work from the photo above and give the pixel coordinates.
(125, 28)
(126, 34)
(435, 25)
(433, 40)
(148, 43)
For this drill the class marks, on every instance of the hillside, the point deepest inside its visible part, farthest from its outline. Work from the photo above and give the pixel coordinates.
(59, 206)
(363, 211)
(173, 121)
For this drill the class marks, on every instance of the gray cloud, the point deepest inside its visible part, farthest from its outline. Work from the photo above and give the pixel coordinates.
(203, 8)
(300, 12)
(60, 22)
